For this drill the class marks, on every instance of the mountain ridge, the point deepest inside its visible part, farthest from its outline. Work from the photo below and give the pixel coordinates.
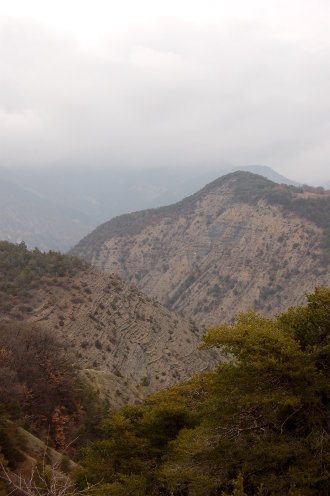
(197, 255)
(76, 200)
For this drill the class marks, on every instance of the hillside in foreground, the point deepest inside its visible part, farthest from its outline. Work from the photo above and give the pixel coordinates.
(127, 343)
(241, 242)
(257, 426)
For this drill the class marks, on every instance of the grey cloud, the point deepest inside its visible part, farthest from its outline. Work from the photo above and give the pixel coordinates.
(171, 93)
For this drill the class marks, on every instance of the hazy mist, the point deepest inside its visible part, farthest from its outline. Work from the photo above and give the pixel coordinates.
(192, 83)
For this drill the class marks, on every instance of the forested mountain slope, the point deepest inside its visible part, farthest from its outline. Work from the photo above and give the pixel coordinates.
(241, 242)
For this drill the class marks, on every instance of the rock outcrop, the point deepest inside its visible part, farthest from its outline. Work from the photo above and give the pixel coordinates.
(242, 242)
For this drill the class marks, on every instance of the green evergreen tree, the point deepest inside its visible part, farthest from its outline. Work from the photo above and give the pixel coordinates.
(258, 425)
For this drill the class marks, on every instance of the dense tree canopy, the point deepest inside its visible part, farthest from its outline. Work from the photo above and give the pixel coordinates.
(258, 425)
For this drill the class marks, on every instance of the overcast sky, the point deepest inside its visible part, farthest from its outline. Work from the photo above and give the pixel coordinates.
(153, 82)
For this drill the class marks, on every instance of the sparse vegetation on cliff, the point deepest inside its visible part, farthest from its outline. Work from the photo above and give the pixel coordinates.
(22, 270)
(241, 242)
(314, 206)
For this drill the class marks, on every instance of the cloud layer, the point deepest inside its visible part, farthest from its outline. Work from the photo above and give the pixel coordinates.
(170, 91)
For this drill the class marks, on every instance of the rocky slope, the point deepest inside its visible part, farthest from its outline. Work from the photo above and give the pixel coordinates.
(241, 242)
(127, 344)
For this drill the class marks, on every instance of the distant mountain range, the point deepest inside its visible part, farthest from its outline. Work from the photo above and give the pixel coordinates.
(53, 208)
(241, 242)
(41, 222)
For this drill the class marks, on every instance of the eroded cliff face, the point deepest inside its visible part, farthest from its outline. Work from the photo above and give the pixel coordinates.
(127, 343)
(218, 253)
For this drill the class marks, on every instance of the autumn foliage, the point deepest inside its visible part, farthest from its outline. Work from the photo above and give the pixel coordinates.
(37, 383)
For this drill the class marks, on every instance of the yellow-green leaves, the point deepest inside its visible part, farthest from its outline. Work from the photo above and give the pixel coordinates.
(258, 425)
